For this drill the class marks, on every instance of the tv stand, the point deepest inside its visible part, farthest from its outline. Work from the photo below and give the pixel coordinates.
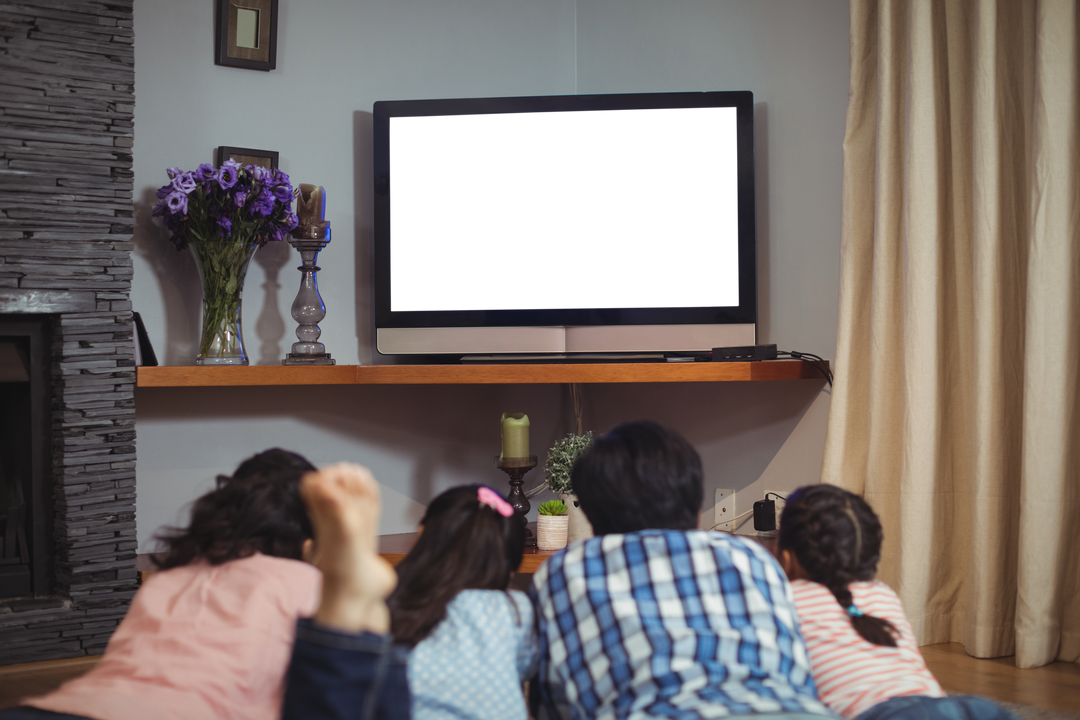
(508, 374)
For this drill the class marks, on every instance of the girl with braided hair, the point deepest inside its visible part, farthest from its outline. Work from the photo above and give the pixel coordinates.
(863, 654)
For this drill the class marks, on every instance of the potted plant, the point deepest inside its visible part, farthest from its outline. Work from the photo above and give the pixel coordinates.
(560, 462)
(551, 525)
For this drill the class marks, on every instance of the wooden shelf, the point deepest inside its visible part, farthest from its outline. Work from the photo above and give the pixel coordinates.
(234, 376)
(395, 547)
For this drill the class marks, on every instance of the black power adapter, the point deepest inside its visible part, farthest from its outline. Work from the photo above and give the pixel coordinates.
(765, 515)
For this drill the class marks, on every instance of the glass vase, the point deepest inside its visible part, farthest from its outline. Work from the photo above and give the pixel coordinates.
(222, 264)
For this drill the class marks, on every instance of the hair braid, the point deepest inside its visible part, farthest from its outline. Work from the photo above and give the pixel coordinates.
(836, 537)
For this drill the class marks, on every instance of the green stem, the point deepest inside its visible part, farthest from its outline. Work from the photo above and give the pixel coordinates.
(222, 266)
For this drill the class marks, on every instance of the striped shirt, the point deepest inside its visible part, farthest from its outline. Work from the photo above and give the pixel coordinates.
(852, 674)
(668, 623)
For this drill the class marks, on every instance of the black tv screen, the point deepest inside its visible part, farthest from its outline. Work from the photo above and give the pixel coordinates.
(564, 224)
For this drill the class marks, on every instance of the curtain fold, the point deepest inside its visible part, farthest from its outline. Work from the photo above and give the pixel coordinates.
(956, 410)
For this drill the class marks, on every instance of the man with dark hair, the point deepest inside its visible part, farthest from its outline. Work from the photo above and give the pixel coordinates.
(654, 618)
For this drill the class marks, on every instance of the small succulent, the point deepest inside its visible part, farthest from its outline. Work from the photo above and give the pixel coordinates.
(552, 507)
(560, 461)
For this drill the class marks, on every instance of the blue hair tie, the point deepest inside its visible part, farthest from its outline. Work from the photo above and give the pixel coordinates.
(854, 611)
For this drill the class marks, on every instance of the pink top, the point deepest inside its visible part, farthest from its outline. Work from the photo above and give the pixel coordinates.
(199, 641)
(852, 674)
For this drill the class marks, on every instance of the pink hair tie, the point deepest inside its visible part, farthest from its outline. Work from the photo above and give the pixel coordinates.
(492, 499)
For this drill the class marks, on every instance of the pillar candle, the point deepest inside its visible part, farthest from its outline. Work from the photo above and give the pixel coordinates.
(515, 435)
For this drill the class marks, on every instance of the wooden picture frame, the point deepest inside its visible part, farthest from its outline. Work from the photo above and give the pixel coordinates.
(247, 156)
(246, 34)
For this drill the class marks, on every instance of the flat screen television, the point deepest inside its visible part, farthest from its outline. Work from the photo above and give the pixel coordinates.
(564, 225)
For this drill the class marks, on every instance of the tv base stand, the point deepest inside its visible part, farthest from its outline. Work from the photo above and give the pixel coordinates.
(563, 358)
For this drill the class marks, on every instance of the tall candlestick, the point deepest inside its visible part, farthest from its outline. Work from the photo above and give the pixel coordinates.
(311, 235)
(515, 435)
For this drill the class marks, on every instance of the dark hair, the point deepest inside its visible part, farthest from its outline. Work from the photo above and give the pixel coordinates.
(463, 545)
(258, 509)
(639, 476)
(836, 537)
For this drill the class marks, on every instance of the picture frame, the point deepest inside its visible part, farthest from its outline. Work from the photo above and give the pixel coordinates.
(246, 34)
(247, 156)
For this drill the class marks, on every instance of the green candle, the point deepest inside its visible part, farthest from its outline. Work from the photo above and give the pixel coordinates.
(515, 435)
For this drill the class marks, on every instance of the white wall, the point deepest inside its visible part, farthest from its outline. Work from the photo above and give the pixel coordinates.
(335, 58)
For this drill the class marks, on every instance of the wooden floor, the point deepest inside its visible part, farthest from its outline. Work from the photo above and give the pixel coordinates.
(1053, 687)
(38, 678)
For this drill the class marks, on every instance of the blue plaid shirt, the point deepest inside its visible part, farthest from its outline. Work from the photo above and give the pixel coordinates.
(667, 623)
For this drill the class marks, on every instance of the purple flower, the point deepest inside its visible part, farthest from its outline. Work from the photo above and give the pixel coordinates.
(263, 204)
(177, 203)
(184, 182)
(226, 176)
(250, 199)
(283, 193)
(261, 174)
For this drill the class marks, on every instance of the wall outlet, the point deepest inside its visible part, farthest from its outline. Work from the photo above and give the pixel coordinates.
(724, 517)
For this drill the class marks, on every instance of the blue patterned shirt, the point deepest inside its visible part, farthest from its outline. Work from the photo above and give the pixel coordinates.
(473, 663)
(667, 623)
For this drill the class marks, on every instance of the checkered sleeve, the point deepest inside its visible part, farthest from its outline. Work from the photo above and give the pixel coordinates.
(663, 623)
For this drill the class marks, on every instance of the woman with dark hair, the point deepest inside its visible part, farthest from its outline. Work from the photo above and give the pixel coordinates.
(210, 634)
(473, 640)
(863, 654)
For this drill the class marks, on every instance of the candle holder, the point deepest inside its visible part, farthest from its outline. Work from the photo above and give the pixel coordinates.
(516, 469)
(308, 308)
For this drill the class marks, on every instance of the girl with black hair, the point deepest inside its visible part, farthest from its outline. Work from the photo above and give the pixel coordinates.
(863, 654)
(210, 634)
(473, 640)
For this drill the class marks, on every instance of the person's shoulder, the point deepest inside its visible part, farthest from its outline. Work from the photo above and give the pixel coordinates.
(292, 584)
(481, 598)
(876, 594)
(812, 596)
(720, 542)
(485, 605)
(284, 568)
(729, 540)
(581, 552)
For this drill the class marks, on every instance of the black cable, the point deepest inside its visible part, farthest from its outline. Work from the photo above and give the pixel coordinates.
(818, 362)
(776, 494)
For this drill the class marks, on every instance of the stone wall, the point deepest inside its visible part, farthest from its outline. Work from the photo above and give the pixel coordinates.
(66, 128)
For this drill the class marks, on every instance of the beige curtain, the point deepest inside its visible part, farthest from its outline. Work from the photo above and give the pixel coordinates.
(956, 410)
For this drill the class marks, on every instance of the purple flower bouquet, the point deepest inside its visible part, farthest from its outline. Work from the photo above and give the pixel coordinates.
(223, 215)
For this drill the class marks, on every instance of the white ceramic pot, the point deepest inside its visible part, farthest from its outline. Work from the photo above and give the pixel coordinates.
(551, 532)
(579, 528)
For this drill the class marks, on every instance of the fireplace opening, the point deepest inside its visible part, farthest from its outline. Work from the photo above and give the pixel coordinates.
(25, 441)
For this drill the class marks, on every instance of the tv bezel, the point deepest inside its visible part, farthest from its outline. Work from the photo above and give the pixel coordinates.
(743, 314)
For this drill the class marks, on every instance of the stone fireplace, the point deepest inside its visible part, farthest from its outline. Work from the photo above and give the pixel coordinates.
(67, 497)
